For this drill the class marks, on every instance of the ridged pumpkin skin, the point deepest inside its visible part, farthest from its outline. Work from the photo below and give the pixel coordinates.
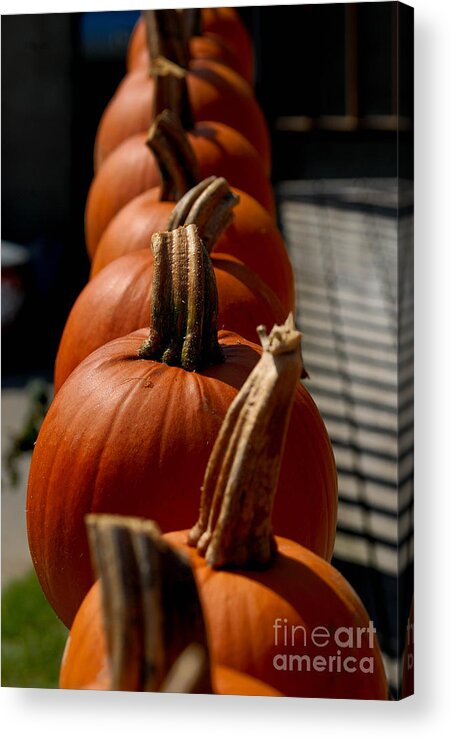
(222, 23)
(118, 297)
(85, 663)
(241, 607)
(215, 93)
(133, 437)
(132, 168)
(253, 238)
(201, 48)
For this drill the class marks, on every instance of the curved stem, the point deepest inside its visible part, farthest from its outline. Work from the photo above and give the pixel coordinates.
(175, 156)
(234, 527)
(169, 55)
(184, 312)
(209, 205)
(151, 607)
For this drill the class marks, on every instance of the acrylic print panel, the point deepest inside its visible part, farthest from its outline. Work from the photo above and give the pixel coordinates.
(192, 503)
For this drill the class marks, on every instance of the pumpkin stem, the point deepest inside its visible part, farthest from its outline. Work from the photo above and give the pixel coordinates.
(192, 22)
(166, 37)
(169, 55)
(184, 311)
(175, 156)
(234, 527)
(209, 205)
(189, 671)
(151, 607)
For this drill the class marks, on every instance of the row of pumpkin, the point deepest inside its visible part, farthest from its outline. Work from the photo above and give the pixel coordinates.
(148, 423)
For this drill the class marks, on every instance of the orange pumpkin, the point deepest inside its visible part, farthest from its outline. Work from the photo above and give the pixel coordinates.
(202, 48)
(134, 424)
(215, 92)
(156, 640)
(196, 90)
(132, 169)
(298, 594)
(245, 609)
(226, 23)
(274, 609)
(252, 237)
(119, 295)
(218, 24)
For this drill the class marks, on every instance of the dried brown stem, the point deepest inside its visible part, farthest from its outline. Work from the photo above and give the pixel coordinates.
(234, 527)
(166, 36)
(151, 608)
(192, 22)
(169, 55)
(190, 674)
(209, 205)
(175, 156)
(184, 311)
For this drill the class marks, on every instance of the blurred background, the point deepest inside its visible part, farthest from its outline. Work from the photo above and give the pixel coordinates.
(336, 86)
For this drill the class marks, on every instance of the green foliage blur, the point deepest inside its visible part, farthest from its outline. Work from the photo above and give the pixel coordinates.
(33, 637)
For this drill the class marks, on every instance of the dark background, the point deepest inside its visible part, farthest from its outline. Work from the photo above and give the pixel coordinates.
(335, 91)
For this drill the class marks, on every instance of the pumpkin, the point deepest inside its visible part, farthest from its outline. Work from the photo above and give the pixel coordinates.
(226, 23)
(131, 429)
(177, 169)
(206, 47)
(274, 609)
(299, 594)
(252, 237)
(218, 24)
(135, 166)
(196, 90)
(119, 295)
(143, 633)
